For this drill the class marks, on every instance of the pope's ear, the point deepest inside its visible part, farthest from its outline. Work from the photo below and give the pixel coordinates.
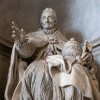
(40, 21)
(55, 20)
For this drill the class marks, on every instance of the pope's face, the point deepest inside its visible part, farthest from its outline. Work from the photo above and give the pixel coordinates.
(48, 20)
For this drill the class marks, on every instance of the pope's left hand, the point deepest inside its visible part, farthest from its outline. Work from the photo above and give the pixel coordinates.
(86, 58)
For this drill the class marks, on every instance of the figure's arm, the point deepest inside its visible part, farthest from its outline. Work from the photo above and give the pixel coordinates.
(24, 48)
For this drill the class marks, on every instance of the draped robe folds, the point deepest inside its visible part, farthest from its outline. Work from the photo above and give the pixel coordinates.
(68, 72)
(36, 40)
(50, 79)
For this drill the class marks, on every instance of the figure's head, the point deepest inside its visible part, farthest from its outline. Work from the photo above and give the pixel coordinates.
(48, 18)
(72, 49)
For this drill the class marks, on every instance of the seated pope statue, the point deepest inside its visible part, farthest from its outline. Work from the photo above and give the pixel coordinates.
(30, 79)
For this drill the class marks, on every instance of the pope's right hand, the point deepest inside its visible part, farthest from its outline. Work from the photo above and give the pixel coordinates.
(17, 34)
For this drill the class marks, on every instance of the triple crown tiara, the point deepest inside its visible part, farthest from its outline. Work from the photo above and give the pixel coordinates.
(72, 48)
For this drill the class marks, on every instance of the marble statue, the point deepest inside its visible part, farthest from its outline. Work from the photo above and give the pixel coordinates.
(32, 80)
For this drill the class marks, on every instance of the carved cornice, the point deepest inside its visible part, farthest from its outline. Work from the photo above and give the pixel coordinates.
(96, 46)
(96, 42)
(6, 42)
(4, 50)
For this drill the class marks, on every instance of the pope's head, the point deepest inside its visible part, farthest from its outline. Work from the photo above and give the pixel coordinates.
(48, 18)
